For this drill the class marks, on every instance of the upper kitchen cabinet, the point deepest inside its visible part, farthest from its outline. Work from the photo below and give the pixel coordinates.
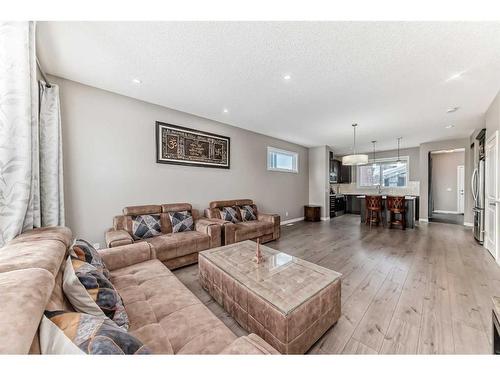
(334, 169)
(339, 174)
(345, 174)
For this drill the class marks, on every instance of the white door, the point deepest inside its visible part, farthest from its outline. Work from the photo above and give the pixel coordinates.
(460, 189)
(492, 196)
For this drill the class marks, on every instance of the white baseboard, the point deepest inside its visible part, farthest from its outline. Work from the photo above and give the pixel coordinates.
(326, 218)
(468, 224)
(423, 220)
(292, 220)
(446, 212)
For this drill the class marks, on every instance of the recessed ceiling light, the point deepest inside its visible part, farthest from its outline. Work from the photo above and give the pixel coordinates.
(287, 77)
(452, 109)
(137, 81)
(449, 126)
(225, 110)
(455, 76)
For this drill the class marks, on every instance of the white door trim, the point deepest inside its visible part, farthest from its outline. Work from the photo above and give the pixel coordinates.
(492, 198)
(460, 197)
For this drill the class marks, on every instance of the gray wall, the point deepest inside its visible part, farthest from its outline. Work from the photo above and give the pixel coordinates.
(319, 186)
(492, 117)
(425, 149)
(110, 162)
(444, 180)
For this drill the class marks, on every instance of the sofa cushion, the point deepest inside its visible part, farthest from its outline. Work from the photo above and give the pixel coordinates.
(252, 229)
(232, 202)
(145, 226)
(173, 245)
(39, 253)
(89, 291)
(231, 214)
(62, 234)
(77, 333)
(24, 294)
(182, 221)
(247, 213)
(84, 251)
(155, 298)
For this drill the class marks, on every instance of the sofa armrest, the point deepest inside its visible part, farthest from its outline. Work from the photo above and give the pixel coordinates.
(217, 221)
(127, 255)
(211, 228)
(118, 237)
(272, 218)
(251, 344)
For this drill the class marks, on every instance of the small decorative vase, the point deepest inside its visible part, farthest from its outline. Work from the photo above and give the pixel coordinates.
(258, 254)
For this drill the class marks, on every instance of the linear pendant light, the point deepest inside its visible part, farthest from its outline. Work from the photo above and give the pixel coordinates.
(355, 159)
(399, 144)
(374, 158)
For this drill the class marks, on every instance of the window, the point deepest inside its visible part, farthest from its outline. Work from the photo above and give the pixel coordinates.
(282, 160)
(384, 172)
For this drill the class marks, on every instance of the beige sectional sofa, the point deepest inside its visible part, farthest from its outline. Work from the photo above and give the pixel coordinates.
(163, 313)
(173, 249)
(266, 227)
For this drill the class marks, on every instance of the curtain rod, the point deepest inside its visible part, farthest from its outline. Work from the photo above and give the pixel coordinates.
(43, 73)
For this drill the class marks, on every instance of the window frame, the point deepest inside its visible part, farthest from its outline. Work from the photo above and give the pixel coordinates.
(381, 161)
(294, 155)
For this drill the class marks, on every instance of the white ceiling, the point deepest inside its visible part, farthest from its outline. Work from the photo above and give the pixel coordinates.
(392, 78)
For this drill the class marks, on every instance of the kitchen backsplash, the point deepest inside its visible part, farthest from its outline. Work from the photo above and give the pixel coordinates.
(413, 188)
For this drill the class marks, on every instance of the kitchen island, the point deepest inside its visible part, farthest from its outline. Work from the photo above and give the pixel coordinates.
(411, 205)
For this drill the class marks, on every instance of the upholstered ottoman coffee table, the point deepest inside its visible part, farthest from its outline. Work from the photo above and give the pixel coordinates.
(287, 301)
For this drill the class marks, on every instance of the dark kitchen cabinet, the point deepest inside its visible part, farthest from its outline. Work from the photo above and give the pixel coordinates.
(353, 204)
(339, 174)
(345, 174)
(334, 170)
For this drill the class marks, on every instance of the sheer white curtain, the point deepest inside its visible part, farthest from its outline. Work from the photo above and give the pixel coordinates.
(30, 156)
(51, 162)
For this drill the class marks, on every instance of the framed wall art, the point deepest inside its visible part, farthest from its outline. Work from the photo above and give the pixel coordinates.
(179, 145)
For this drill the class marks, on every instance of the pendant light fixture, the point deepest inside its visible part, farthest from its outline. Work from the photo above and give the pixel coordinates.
(374, 158)
(399, 144)
(355, 159)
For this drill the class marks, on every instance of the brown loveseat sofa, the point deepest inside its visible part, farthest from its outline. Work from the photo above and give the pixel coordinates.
(163, 313)
(266, 227)
(173, 249)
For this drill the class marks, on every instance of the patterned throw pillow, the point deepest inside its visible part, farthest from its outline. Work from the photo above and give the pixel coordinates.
(247, 213)
(76, 333)
(182, 221)
(145, 226)
(230, 214)
(83, 250)
(89, 291)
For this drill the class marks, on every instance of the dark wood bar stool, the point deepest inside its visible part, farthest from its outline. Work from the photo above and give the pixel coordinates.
(396, 206)
(373, 209)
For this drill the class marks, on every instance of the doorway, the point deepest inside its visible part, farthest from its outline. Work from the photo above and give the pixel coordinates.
(447, 186)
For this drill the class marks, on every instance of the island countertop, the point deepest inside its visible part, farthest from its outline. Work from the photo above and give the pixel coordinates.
(407, 197)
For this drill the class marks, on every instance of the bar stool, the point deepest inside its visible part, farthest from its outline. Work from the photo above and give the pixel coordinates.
(396, 206)
(373, 209)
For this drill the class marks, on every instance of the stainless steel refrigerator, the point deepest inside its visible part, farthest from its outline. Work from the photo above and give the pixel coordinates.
(478, 195)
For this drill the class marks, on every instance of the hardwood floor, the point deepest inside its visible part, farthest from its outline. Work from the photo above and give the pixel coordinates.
(426, 290)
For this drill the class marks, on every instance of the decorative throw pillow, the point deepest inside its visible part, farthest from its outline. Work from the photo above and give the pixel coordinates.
(145, 226)
(182, 221)
(247, 213)
(230, 214)
(76, 333)
(89, 291)
(83, 250)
